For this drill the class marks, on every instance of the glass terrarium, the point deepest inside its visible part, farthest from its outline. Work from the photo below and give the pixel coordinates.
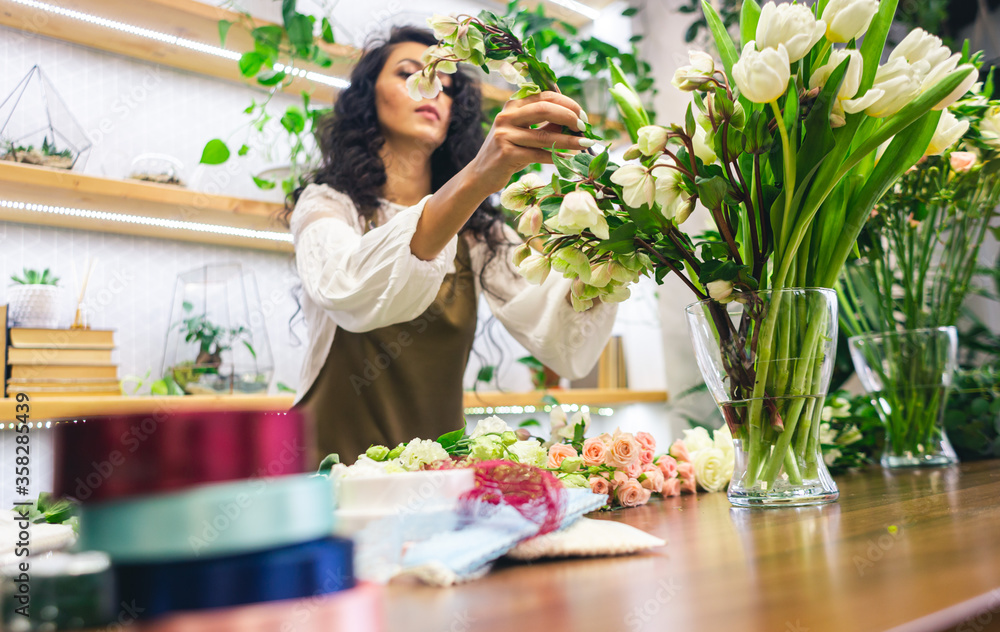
(36, 126)
(217, 340)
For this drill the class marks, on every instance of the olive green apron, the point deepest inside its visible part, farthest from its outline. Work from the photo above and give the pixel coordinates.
(390, 385)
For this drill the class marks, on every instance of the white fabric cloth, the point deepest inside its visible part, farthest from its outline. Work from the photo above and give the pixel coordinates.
(362, 280)
(587, 538)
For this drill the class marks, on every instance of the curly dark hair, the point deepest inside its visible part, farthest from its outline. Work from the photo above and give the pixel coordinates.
(350, 141)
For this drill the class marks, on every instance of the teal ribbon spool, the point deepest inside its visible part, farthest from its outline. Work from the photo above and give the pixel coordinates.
(211, 520)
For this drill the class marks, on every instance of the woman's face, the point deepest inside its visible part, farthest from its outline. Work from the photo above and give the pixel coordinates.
(399, 116)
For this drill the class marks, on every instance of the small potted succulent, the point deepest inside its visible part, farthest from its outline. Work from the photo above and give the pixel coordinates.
(36, 300)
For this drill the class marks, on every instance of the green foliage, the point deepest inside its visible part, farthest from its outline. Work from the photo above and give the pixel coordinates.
(853, 450)
(34, 277)
(51, 510)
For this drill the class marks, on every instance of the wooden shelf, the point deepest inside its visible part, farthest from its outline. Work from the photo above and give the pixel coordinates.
(42, 410)
(588, 396)
(186, 19)
(75, 407)
(60, 188)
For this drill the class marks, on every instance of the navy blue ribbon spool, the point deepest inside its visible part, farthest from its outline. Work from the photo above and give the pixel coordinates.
(292, 572)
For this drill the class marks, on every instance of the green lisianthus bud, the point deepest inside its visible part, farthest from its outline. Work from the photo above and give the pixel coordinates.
(377, 452)
(395, 452)
(508, 438)
(571, 464)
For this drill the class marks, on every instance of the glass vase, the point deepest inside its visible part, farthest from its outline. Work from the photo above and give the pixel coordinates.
(767, 358)
(909, 375)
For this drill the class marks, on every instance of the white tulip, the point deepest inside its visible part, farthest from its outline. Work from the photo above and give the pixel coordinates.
(848, 19)
(762, 76)
(791, 25)
(919, 45)
(578, 212)
(422, 86)
(989, 127)
(935, 62)
(690, 78)
(850, 85)
(519, 195)
(896, 84)
(535, 268)
(636, 183)
(652, 139)
(948, 132)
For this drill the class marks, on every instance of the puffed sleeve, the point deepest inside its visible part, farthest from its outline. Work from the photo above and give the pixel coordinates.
(540, 317)
(364, 280)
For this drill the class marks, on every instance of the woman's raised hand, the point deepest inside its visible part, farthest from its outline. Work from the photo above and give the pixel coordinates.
(513, 144)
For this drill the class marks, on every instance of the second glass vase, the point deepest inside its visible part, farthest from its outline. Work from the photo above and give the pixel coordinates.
(909, 375)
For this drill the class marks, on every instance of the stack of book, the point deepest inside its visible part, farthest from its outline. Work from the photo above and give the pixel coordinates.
(47, 363)
(611, 371)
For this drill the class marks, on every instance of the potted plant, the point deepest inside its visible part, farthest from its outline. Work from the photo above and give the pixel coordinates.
(206, 374)
(36, 300)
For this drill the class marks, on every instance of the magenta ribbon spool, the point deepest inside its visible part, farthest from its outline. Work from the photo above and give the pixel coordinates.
(118, 456)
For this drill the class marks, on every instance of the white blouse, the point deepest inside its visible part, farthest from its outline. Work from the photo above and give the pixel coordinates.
(363, 280)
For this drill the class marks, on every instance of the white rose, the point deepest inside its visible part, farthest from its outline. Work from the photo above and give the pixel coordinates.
(519, 195)
(421, 452)
(712, 469)
(530, 452)
(948, 132)
(490, 425)
(652, 139)
(637, 184)
(848, 19)
(790, 25)
(692, 77)
(578, 212)
(762, 76)
(697, 439)
(535, 269)
(830, 456)
(723, 440)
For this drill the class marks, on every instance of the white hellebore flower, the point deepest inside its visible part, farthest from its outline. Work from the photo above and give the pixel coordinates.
(791, 25)
(444, 26)
(535, 269)
(652, 139)
(519, 195)
(719, 290)
(636, 183)
(848, 19)
(762, 76)
(666, 186)
(423, 86)
(578, 212)
(989, 127)
(572, 263)
(690, 78)
(442, 56)
(701, 146)
(852, 78)
(948, 132)
(510, 71)
(468, 42)
(531, 221)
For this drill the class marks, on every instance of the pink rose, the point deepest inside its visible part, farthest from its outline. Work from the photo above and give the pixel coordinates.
(619, 479)
(646, 456)
(679, 451)
(646, 440)
(671, 487)
(558, 452)
(667, 465)
(606, 439)
(962, 161)
(599, 485)
(685, 471)
(633, 469)
(624, 450)
(631, 494)
(652, 480)
(594, 452)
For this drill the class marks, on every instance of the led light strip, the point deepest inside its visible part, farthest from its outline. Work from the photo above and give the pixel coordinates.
(336, 82)
(149, 221)
(588, 12)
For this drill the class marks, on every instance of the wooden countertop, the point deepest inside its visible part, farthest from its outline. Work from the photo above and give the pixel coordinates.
(839, 567)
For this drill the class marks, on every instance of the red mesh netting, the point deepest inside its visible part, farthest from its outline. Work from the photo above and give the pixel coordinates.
(534, 493)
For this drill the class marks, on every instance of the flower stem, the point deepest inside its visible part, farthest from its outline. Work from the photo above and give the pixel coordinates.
(789, 176)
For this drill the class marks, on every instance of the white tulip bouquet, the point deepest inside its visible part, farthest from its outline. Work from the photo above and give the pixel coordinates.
(779, 144)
